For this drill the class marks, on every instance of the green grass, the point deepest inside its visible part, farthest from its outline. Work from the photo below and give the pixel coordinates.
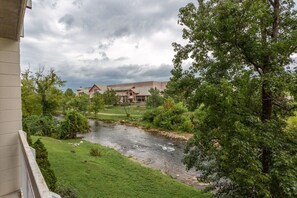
(111, 175)
(132, 110)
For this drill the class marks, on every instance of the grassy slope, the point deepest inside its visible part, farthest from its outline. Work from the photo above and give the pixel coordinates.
(111, 175)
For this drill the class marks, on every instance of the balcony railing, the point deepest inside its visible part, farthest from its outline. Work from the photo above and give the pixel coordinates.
(32, 182)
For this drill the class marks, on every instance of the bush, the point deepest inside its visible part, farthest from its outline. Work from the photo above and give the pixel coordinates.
(95, 152)
(170, 116)
(150, 114)
(44, 165)
(66, 191)
(73, 123)
(40, 125)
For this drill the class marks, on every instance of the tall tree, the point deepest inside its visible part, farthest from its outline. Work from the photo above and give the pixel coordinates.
(97, 103)
(240, 51)
(30, 99)
(155, 99)
(47, 87)
(80, 103)
(110, 97)
(66, 100)
(182, 87)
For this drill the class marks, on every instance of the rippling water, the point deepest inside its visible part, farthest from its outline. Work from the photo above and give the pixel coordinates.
(156, 151)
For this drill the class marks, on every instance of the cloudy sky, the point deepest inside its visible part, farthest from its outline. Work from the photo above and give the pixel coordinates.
(102, 41)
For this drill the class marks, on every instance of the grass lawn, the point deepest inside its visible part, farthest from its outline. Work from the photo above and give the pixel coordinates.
(132, 110)
(111, 175)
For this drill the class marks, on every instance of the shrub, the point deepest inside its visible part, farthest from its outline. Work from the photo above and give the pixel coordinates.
(66, 191)
(170, 116)
(73, 123)
(44, 165)
(95, 152)
(150, 114)
(40, 125)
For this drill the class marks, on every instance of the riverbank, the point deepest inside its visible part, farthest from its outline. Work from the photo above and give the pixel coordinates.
(136, 121)
(111, 174)
(169, 134)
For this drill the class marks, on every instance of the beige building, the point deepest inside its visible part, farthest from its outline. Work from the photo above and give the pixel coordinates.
(136, 92)
(83, 90)
(19, 172)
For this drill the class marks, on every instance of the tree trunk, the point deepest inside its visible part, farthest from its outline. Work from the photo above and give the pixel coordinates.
(266, 116)
(43, 104)
(266, 93)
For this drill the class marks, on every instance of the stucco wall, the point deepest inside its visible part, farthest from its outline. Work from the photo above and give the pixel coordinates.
(10, 115)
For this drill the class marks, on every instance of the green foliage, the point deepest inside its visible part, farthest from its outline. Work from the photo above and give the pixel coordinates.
(292, 122)
(240, 53)
(95, 152)
(44, 165)
(182, 87)
(69, 93)
(30, 99)
(73, 123)
(41, 93)
(97, 103)
(110, 97)
(155, 99)
(79, 103)
(66, 191)
(66, 100)
(40, 125)
(170, 116)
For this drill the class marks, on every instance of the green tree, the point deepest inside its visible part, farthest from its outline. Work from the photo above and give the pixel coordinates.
(110, 97)
(44, 165)
(182, 87)
(240, 51)
(30, 99)
(155, 99)
(73, 123)
(47, 87)
(40, 125)
(80, 103)
(97, 103)
(66, 100)
(69, 93)
(41, 91)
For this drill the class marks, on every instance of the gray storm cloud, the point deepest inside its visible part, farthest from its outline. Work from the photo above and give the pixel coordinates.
(107, 41)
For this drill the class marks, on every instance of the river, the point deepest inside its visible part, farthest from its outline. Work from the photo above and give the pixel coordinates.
(151, 149)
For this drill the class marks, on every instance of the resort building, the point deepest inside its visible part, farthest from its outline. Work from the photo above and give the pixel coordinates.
(136, 92)
(19, 173)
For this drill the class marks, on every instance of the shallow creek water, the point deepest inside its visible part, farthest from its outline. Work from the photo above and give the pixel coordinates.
(151, 149)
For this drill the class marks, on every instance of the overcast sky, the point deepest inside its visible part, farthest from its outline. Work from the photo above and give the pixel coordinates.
(102, 41)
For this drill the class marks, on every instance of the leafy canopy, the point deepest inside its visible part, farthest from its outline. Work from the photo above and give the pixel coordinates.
(96, 103)
(241, 52)
(72, 124)
(40, 92)
(110, 97)
(155, 99)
